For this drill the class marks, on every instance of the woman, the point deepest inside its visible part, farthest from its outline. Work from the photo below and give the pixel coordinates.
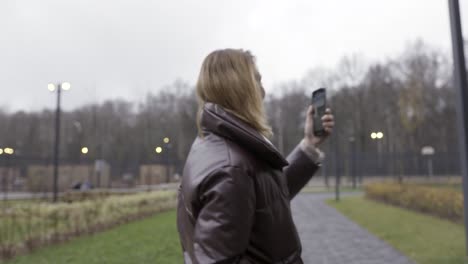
(234, 199)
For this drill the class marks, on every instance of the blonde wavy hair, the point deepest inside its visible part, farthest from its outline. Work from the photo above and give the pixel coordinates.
(230, 78)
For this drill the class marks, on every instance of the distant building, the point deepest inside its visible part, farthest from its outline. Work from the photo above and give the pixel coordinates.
(40, 177)
(152, 174)
(10, 179)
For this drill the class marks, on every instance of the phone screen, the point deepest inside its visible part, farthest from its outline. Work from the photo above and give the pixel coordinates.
(319, 102)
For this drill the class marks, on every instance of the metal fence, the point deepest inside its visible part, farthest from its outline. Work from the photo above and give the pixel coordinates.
(363, 166)
(29, 174)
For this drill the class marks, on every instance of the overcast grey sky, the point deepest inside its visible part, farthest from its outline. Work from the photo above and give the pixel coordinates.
(125, 48)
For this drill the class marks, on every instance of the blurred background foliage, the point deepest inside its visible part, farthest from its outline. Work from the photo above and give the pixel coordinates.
(409, 97)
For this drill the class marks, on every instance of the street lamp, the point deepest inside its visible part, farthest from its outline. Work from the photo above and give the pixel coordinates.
(84, 150)
(377, 135)
(166, 140)
(8, 151)
(66, 86)
(428, 152)
(158, 150)
(52, 88)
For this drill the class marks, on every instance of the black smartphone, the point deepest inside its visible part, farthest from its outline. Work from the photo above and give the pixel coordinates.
(319, 101)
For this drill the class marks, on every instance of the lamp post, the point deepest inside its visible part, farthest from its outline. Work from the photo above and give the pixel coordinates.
(166, 140)
(6, 152)
(428, 152)
(84, 152)
(337, 167)
(58, 87)
(352, 152)
(462, 96)
(378, 136)
(2, 153)
(158, 151)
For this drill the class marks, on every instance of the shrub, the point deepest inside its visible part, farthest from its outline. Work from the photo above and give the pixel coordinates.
(72, 196)
(441, 202)
(25, 226)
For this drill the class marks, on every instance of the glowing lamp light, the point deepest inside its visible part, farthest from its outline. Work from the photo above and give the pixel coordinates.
(158, 150)
(373, 135)
(84, 150)
(65, 86)
(379, 135)
(51, 87)
(166, 140)
(9, 151)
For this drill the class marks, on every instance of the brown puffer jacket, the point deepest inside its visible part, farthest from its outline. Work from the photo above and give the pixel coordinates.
(234, 199)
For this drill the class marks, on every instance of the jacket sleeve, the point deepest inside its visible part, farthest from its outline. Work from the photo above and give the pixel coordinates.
(300, 170)
(224, 222)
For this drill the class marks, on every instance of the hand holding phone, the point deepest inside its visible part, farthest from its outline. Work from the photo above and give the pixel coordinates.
(319, 120)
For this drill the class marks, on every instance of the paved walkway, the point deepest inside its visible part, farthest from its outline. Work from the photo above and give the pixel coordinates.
(330, 238)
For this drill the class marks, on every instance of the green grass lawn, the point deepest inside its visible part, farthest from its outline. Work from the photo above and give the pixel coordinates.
(152, 240)
(425, 239)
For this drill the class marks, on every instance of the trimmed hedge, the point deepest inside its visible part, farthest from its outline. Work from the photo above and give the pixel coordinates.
(441, 202)
(73, 196)
(26, 226)
(81, 196)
